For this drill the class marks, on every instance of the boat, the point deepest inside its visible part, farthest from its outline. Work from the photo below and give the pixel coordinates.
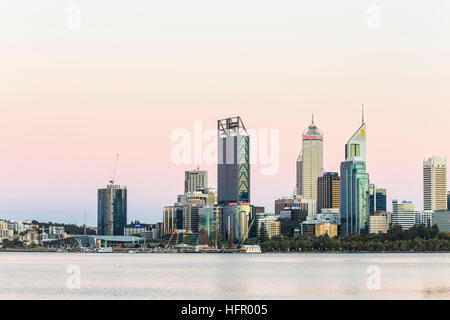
(105, 250)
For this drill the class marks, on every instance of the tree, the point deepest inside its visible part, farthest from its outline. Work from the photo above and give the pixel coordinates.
(263, 233)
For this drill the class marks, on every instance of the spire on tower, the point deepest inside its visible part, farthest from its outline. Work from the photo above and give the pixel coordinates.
(362, 111)
(312, 122)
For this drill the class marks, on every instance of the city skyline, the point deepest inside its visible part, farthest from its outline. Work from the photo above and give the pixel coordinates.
(269, 207)
(124, 81)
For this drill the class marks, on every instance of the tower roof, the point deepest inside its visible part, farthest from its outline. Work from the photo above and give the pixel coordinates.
(312, 132)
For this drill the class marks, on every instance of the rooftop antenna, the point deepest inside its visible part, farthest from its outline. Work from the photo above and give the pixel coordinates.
(113, 175)
(312, 122)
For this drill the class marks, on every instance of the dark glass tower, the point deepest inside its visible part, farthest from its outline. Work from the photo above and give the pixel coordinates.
(112, 210)
(328, 191)
(233, 166)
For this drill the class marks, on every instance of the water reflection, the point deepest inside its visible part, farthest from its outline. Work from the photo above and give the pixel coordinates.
(223, 276)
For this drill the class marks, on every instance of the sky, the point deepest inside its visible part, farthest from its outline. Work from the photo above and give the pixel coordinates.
(83, 80)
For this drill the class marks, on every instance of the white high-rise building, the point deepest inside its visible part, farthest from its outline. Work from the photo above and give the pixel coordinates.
(404, 213)
(310, 162)
(435, 184)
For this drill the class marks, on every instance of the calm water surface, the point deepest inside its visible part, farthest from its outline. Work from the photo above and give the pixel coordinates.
(224, 276)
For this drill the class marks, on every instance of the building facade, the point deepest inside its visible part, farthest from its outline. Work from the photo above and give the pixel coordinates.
(310, 162)
(112, 210)
(355, 185)
(377, 197)
(435, 184)
(238, 218)
(442, 220)
(328, 191)
(233, 166)
(271, 223)
(378, 223)
(195, 180)
(404, 213)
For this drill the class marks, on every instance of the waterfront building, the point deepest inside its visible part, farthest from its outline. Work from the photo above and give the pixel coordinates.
(271, 224)
(172, 219)
(425, 217)
(182, 237)
(233, 168)
(143, 230)
(379, 223)
(252, 248)
(328, 191)
(355, 185)
(4, 231)
(404, 213)
(195, 180)
(210, 220)
(442, 220)
(310, 162)
(238, 217)
(291, 218)
(320, 225)
(435, 184)
(112, 210)
(377, 198)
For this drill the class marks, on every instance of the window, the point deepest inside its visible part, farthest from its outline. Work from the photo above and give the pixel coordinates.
(354, 150)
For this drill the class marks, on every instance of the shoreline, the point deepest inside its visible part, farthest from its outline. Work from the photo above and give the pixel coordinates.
(250, 253)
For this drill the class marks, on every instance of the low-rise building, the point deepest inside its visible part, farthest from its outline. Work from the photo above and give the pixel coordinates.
(379, 223)
(321, 224)
(271, 224)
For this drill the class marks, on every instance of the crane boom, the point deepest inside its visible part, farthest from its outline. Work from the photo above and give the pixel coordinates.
(170, 239)
(248, 230)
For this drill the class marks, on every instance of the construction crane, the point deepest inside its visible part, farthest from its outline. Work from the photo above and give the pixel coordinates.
(113, 175)
(246, 234)
(170, 239)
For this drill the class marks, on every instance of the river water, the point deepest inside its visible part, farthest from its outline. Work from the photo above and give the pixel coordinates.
(224, 276)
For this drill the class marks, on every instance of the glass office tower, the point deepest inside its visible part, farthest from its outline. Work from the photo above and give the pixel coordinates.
(112, 210)
(355, 186)
(233, 167)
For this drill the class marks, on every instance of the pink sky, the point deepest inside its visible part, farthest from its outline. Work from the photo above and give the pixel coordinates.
(130, 76)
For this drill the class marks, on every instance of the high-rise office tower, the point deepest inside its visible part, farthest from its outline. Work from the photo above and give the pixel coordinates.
(328, 191)
(195, 180)
(233, 168)
(377, 199)
(310, 162)
(355, 185)
(435, 184)
(112, 210)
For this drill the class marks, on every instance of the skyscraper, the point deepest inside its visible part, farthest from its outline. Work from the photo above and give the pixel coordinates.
(195, 180)
(310, 162)
(112, 210)
(328, 191)
(233, 168)
(435, 184)
(377, 199)
(355, 185)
